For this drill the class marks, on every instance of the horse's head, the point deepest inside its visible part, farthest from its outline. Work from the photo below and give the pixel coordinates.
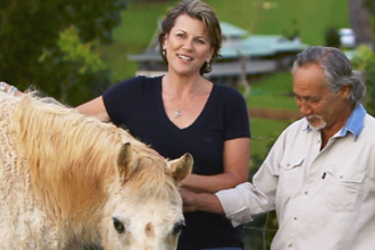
(145, 208)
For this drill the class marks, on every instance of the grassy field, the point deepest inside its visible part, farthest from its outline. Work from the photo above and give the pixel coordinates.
(273, 91)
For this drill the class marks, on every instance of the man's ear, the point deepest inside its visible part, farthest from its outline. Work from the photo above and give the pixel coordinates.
(345, 91)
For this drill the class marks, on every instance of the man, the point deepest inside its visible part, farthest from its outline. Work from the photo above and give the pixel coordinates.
(320, 173)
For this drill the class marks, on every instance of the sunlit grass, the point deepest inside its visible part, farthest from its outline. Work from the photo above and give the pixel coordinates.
(273, 92)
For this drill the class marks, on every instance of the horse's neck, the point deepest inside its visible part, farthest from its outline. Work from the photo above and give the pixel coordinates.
(75, 192)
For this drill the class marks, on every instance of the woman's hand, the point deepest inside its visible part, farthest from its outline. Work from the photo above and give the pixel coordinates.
(236, 169)
(187, 199)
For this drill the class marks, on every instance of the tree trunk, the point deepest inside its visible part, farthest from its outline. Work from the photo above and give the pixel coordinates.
(360, 22)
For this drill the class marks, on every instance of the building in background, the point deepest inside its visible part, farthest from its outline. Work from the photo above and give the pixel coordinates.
(242, 55)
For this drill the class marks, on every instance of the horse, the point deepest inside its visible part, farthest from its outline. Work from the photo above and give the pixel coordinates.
(68, 181)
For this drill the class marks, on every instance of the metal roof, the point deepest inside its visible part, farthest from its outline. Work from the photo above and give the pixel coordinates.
(261, 45)
(231, 30)
(239, 42)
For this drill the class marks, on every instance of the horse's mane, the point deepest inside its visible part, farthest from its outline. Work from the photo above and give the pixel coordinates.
(69, 151)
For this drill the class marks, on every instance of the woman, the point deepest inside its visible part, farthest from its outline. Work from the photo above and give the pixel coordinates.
(183, 112)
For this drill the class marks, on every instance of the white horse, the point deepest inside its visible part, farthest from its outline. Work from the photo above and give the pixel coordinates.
(68, 181)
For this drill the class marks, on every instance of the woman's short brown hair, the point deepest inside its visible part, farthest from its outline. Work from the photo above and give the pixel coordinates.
(198, 10)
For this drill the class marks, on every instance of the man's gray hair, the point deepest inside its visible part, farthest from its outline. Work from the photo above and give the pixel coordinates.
(337, 69)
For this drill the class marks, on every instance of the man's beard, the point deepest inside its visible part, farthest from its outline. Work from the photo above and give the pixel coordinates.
(320, 126)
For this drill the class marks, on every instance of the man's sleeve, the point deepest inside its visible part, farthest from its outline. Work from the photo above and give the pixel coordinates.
(237, 203)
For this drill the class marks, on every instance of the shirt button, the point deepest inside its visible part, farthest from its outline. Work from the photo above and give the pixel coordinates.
(306, 193)
(319, 141)
(290, 245)
(295, 218)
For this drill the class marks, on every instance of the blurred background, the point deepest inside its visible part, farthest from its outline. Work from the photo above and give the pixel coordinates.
(73, 50)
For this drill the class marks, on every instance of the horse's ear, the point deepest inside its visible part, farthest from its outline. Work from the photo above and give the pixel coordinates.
(180, 168)
(126, 161)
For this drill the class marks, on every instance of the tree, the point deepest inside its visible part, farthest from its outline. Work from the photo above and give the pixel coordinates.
(360, 21)
(332, 38)
(52, 45)
(364, 60)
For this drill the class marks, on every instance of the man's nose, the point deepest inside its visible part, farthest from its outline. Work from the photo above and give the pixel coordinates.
(304, 108)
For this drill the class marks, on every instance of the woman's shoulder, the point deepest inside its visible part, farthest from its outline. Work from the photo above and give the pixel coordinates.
(139, 82)
(141, 79)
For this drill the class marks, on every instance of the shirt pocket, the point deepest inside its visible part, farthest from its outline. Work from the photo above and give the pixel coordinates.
(342, 187)
(289, 178)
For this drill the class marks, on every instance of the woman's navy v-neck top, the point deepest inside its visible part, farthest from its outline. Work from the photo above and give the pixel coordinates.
(136, 104)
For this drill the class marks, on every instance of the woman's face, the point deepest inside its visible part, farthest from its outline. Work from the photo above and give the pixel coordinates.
(187, 46)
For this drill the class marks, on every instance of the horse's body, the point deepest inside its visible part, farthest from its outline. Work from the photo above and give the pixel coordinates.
(67, 181)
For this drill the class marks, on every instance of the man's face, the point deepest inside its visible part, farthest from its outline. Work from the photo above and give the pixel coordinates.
(322, 108)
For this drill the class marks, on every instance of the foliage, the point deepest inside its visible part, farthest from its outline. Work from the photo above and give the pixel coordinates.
(52, 44)
(364, 60)
(293, 32)
(370, 5)
(332, 38)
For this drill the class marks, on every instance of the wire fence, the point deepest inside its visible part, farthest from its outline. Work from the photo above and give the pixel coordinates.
(258, 234)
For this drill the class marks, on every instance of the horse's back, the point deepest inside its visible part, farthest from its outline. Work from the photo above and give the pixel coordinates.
(22, 224)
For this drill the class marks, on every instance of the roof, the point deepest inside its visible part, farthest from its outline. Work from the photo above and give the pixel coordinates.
(243, 43)
(231, 30)
(262, 45)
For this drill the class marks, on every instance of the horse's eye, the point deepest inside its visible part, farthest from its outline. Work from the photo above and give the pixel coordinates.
(118, 225)
(178, 227)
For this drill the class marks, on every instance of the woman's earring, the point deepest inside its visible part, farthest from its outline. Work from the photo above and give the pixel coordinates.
(208, 68)
(164, 52)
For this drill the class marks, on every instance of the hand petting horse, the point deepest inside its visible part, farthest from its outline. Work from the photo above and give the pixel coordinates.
(68, 181)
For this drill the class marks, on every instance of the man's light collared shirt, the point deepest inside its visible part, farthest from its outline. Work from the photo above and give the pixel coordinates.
(324, 199)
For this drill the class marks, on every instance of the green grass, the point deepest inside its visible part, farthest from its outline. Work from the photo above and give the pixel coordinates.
(273, 91)
(138, 27)
(312, 17)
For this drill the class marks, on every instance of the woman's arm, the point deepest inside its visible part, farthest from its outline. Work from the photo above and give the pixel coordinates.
(236, 158)
(95, 108)
(201, 201)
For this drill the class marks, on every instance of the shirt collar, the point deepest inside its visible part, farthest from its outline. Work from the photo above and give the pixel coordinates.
(354, 124)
